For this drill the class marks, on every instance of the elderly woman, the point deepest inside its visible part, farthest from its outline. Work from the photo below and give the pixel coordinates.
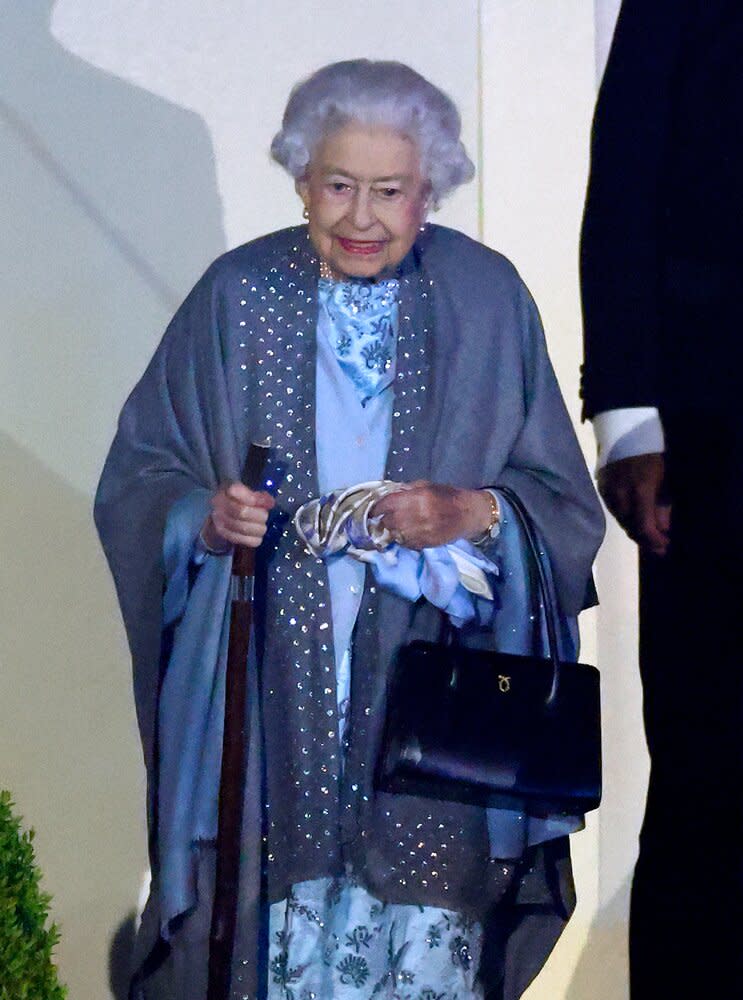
(367, 346)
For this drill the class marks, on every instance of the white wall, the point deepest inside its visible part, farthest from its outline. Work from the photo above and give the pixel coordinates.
(136, 135)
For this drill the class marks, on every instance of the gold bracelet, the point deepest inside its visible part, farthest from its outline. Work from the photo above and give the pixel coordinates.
(487, 535)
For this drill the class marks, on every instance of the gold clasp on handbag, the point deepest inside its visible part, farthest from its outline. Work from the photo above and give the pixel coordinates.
(504, 683)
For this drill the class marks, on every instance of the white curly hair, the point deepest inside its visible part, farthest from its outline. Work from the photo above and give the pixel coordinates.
(375, 92)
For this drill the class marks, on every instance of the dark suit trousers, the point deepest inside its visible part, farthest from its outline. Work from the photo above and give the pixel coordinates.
(686, 924)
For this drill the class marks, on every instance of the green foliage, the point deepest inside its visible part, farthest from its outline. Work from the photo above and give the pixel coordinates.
(26, 968)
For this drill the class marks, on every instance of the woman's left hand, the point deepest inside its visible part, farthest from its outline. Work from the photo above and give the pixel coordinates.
(423, 515)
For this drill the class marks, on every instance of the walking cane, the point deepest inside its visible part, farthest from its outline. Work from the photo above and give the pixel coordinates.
(232, 778)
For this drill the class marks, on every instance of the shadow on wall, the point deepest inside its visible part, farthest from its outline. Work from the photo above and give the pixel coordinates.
(67, 739)
(602, 968)
(110, 211)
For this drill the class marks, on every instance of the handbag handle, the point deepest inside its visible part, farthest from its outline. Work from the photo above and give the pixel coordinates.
(549, 609)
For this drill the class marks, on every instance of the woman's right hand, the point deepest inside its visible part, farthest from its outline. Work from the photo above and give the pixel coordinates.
(239, 516)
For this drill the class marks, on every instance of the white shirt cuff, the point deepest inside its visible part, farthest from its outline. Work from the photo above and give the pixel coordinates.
(625, 432)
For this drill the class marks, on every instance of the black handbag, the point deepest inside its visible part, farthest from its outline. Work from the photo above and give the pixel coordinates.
(495, 729)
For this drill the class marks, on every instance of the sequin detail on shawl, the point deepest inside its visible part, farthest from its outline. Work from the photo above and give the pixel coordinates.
(277, 359)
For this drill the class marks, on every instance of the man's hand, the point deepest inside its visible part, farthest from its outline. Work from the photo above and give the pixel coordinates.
(631, 489)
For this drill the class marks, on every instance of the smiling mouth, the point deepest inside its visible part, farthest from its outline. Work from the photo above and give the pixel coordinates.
(361, 247)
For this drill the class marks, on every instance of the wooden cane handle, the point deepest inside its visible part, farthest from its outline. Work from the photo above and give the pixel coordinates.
(243, 557)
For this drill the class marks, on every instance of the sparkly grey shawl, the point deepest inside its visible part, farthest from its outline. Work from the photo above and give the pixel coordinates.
(476, 403)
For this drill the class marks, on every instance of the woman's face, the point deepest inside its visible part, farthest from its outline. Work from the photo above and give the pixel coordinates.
(366, 199)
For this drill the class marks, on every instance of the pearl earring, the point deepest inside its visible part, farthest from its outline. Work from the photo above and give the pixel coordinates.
(306, 213)
(426, 206)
